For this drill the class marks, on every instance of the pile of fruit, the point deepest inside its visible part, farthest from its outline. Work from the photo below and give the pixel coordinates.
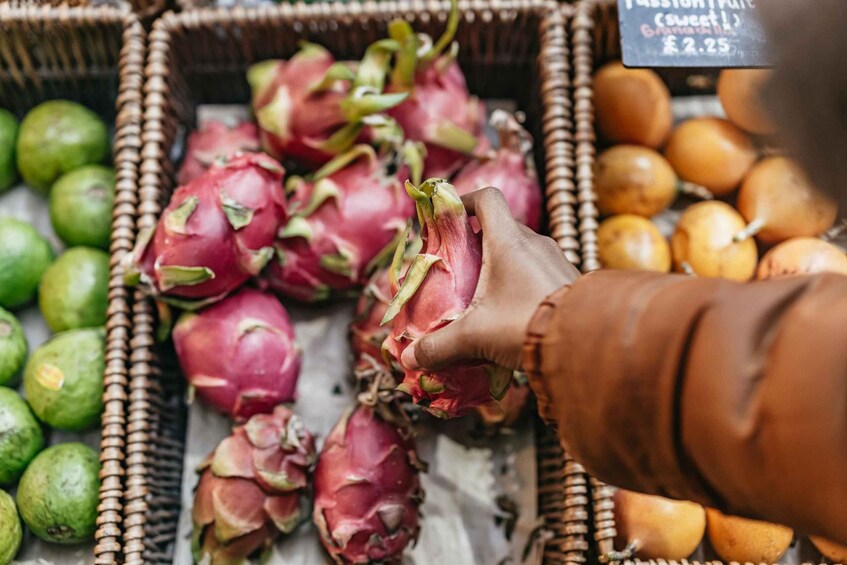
(241, 232)
(751, 202)
(58, 150)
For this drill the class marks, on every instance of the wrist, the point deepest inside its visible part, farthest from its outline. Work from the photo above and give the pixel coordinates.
(537, 329)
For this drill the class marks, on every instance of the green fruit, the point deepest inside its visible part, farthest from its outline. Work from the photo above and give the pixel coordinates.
(8, 135)
(56, 137)
(13, 349)
(81, 206)
(63, 380)
(20, 436)
(57, 496)
(11, 532)
(24, 256)
(74, 290)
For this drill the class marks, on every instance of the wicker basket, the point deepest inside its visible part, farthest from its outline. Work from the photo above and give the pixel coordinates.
(199, 57)
(94, 56)
(595, 41)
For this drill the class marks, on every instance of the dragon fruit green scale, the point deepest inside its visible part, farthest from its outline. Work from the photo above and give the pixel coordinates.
(437, 288)
(252, 488)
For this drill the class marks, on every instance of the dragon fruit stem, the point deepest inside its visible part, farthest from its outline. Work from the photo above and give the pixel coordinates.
(448, 35)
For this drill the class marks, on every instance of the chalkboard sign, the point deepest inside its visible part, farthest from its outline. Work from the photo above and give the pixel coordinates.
(691, 33)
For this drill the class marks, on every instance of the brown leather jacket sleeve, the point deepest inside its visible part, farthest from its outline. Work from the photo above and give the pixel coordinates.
(731, 395)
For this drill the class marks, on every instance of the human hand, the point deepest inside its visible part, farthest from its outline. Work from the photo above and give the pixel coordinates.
(519, 269)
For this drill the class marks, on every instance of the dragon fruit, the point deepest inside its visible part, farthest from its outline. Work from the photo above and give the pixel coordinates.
(252, 488)
(217, 232)
(239, 355)
(510, 169)
(367, 490)
(440, 111)
(437, 288)
(367, 333)
(508, 411)
(311, 108)
(343, 221)
(216, 140)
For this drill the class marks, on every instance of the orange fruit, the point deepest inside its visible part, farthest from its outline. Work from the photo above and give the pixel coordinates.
(802, 256)
(740, 93)
(711, 152)
(831, 550)
(634, 243)
(779, 203)
(743, 540)
(631, 105)
(656, 527)
(630, 179)
(702, 243)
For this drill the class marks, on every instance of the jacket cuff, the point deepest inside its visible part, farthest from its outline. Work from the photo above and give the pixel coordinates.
(531, 357)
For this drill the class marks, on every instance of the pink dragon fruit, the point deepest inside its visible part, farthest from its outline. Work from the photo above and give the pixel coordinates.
(252, 488)
(440, 112)
(510, 169)
(217, 231)
(367, 490)
(311, 108)
(367, 333)
(436, 289)
(240, 355)
(216, 140)
(343, 221)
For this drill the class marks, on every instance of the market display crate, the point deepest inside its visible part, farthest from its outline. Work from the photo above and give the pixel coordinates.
(596, 40)
(93, 56)
(514, 50)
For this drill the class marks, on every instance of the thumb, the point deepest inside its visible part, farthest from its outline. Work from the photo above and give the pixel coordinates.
(439, 349)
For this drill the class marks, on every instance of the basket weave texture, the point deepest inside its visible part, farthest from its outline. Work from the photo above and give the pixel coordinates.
(94, 56)
(200, 57)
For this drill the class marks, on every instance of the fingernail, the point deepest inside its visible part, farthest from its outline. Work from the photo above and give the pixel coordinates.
(407, 358)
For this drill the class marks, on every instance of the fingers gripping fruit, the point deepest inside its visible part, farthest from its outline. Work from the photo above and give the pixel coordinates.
(252, 488)
(703, 243)
(240, 354)
(367, 489)
(437, 288)
(217, 232)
